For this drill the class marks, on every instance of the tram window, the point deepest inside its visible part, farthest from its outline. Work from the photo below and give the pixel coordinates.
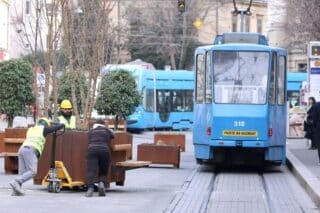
(200, 78)
(189, 101)
(272, 91)
(294, 98)
(208, 85)
(177, 101)
(281, 80)
(148, 101)
(163, 101)
(240, 77)
(182, 101)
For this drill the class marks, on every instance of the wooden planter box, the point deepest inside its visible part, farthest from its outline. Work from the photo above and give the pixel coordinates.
(71, 149)
(1, 142)
(122, 137)
(171, 139)
(159, 154)
(13, 138)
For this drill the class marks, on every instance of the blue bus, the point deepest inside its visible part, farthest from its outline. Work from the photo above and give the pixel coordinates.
(167, 99)
(240, 101)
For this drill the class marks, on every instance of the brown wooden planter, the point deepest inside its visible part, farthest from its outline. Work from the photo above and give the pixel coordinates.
(122, 137)
(13, 138)
(71, 149)
(1, 142)
(171, 139)
(159, 154)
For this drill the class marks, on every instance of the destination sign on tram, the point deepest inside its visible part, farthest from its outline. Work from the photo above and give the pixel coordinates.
(240, 133)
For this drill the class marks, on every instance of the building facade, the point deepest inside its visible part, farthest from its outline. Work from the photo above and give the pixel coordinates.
(18, 23)
(4, 29)
(220, 19)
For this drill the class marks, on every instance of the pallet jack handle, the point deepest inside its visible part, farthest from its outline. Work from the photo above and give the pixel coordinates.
(55, 134)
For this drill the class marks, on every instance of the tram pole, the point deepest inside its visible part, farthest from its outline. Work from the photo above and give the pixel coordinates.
(242, 13)
(154, 100)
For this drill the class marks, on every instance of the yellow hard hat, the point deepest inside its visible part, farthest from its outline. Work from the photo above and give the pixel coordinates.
(44, 121)
(66, 104)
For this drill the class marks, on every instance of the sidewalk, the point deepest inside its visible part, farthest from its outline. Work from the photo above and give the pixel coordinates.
(305, 164)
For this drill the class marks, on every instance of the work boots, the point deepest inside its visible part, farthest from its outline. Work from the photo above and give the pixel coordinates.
(90, 191)
(17, 191)
(101, 189)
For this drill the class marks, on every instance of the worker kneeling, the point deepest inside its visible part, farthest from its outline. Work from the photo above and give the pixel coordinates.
(30, 151)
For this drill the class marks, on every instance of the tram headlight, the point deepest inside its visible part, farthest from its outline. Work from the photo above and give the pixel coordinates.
(270, 132)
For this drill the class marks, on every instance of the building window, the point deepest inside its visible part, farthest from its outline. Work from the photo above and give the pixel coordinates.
(259, 23)
(247, 24)
(302, 67)
(234, 23)
(50, 8)
(27, 7)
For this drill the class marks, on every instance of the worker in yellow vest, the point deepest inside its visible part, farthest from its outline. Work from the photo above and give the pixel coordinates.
(30, 151)
(66, 116)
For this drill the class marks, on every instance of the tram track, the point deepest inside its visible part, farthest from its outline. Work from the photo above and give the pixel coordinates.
(266, 194)
(195, 192)
(206, 191)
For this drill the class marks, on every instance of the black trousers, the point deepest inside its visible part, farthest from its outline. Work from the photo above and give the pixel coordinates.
(98, 161)
(316, 141)
(313, 140)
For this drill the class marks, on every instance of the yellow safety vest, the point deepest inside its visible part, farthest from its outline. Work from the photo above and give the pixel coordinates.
(68, 125)
(35, 138)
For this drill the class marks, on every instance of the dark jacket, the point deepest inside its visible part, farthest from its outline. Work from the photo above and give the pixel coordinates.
(308, 126)
(315, 114)
(100, 136)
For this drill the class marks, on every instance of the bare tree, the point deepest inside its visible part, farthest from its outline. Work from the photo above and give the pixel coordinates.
(303, 20)
(38, 27)
(87, 33)
(160, 34)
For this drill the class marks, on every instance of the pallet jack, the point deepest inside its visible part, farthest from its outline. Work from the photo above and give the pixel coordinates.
(58, 176)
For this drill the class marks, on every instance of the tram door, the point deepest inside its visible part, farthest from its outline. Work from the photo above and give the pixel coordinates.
(277, 107)
(203, 99)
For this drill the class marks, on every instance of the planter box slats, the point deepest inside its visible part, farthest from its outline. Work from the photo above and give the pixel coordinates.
(130, 164)
(159, 154)
(1, 142)
(170, 139)
(13, 138)
(10, 154)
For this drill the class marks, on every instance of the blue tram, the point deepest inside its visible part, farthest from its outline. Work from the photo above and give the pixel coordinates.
(240, 101)
(295, 81)
(167, 99)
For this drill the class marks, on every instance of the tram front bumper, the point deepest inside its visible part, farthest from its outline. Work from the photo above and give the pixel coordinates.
(239, 143)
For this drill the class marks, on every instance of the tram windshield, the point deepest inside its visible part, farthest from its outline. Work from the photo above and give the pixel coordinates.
(240, 77)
